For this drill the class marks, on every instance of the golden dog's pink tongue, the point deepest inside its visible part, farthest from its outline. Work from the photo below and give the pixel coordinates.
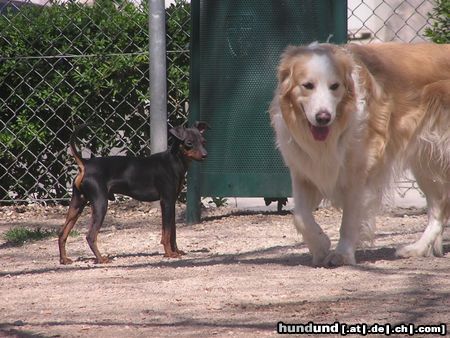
(319, 133)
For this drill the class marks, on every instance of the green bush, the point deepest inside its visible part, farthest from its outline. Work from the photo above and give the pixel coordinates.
(69, 63)
(439, 31)
(21, 235)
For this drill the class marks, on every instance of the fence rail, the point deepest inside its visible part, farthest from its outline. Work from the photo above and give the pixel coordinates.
(63, 63)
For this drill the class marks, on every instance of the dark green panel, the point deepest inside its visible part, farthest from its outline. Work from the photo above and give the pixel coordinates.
(236, 48)
(249, 185)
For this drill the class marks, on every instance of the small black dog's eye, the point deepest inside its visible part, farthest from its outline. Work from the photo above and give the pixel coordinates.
(188, 144)
(308, 85)
(334, 86)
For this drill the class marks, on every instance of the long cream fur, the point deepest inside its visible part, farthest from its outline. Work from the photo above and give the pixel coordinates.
(347, 119)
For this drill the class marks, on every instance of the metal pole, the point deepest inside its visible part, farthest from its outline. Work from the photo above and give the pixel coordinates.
(158, 80)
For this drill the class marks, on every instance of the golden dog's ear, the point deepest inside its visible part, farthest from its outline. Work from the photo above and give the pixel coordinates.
(285, 78)
(287, 84)
(286, 70)
(346, 66)
(349, 83)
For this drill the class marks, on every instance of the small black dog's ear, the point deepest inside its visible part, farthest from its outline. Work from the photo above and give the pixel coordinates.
(178, 132)
(202, 126)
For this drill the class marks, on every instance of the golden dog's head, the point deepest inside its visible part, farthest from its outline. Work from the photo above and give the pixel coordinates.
(316, 89)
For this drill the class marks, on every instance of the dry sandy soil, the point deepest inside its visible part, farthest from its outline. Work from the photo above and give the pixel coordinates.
(243, 273)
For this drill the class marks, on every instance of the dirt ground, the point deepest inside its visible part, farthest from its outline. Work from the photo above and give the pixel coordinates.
(243, 273)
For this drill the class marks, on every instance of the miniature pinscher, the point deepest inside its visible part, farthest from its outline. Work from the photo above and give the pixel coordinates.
(157, 177)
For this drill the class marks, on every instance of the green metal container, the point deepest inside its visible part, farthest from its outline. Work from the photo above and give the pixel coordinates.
(235, 49)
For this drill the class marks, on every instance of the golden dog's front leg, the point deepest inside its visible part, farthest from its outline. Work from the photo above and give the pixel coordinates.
(315, 239)
(306, 199)
(360, 203)
(344, 254)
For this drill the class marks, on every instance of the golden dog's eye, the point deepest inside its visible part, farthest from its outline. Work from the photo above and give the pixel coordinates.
(334, 86)
(308, 85)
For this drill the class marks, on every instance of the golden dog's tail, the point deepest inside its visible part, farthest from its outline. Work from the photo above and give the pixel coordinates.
(76, 154)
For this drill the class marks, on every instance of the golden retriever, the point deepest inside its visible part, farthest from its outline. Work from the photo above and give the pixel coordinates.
(347, 120)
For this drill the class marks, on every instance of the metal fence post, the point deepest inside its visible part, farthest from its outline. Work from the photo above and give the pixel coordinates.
(158, 77)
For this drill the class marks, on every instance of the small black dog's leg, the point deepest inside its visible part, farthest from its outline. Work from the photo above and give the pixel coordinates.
(77, 204)
(99, 207)
(168, 227)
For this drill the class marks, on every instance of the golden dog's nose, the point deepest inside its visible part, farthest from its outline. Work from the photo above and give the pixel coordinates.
(323, 117)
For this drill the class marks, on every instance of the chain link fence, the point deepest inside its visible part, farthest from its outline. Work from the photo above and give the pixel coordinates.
(67, 62)
(63, 63)
(388, 20)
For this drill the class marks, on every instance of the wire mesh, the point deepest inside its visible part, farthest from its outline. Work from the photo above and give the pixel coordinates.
(67, 62)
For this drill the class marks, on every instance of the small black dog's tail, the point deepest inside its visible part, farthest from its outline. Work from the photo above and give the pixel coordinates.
(76, 154)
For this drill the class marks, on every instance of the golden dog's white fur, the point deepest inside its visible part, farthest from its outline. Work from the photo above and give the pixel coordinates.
(347, 119)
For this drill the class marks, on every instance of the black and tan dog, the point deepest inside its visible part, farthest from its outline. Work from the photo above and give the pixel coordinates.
(158, 177)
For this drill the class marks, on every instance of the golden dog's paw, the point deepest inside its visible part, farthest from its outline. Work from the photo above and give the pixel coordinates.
(438, 247)
(320, 249)
(319, 257)
(335, 259)
(413, 250)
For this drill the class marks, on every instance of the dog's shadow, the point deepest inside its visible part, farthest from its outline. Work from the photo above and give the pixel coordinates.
(386, 254)
(374, 255)
(274, 255)
(277, 255)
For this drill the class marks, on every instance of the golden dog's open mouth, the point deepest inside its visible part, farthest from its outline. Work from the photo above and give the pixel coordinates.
(319, 133)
